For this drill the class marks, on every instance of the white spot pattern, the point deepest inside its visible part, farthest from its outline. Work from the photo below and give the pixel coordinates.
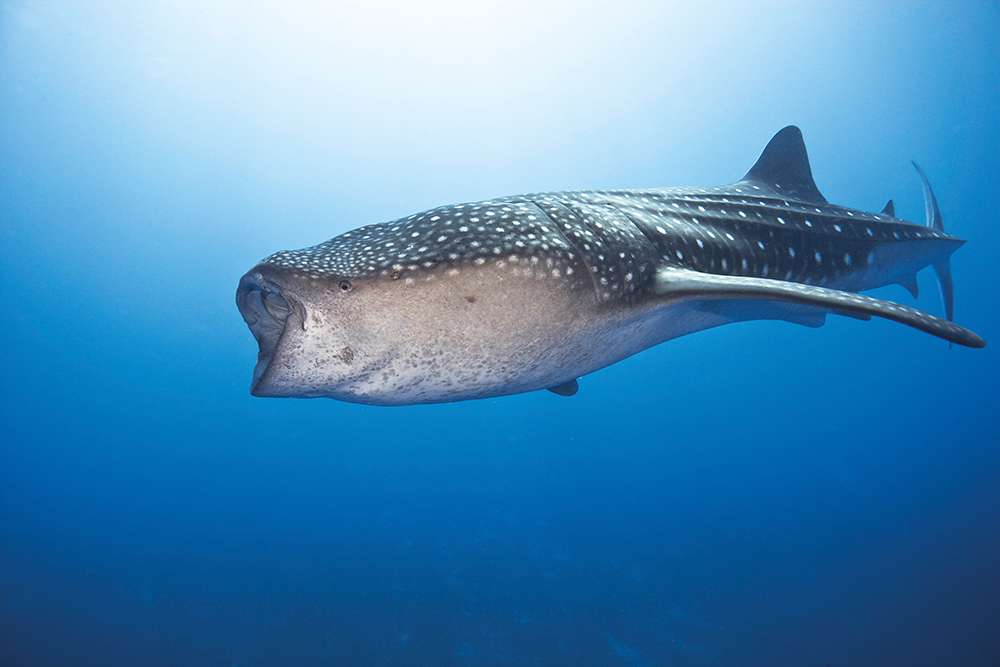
(619, 237)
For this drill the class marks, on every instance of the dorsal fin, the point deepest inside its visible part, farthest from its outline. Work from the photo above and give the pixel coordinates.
(889, 209)
(784, 166)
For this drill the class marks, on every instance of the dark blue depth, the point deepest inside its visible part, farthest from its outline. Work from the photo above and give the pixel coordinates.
(761, 494)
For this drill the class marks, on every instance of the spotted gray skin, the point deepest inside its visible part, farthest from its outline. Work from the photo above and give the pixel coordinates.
(531, 292)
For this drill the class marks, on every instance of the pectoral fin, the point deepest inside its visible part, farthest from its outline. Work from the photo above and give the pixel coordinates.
(677, 283)
(566, 388)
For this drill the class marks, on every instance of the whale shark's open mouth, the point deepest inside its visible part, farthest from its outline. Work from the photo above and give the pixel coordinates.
(266, 311)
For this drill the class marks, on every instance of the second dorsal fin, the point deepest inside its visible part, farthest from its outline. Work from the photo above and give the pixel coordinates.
(784, 166)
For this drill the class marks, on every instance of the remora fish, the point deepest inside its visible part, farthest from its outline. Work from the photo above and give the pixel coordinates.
(531, 292)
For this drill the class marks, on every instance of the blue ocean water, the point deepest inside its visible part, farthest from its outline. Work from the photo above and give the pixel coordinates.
(758, 494)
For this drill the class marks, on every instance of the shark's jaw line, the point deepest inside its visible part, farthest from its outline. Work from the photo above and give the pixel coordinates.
(267, 312)
(533, 291)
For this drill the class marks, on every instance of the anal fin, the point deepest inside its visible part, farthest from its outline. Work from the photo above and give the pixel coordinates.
(910, 284)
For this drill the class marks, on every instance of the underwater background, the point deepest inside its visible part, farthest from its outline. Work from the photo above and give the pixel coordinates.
(758, 494)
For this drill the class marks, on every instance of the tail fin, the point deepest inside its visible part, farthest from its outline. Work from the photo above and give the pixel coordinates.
(942, 268)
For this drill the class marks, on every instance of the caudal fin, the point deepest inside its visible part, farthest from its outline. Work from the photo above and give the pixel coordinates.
(934, 221)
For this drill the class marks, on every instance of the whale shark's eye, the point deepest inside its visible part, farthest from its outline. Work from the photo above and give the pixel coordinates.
(345, 285)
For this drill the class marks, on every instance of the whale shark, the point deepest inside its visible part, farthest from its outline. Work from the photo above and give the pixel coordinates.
(531, 292)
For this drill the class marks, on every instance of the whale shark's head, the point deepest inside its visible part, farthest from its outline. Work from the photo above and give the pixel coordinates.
(430, 308)
(283, 309)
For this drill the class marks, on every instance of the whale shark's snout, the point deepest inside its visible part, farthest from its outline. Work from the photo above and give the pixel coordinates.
(267, 308)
